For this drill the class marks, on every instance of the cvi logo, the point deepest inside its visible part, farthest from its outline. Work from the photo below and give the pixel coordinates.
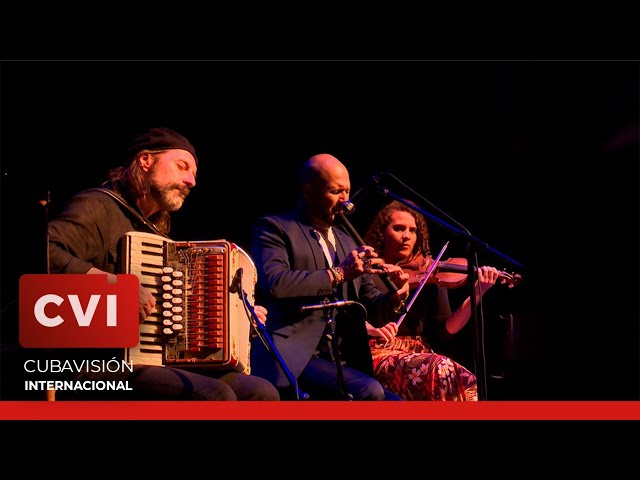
(78, 311)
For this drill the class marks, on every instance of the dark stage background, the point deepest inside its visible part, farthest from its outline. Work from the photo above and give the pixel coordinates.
(538, 159)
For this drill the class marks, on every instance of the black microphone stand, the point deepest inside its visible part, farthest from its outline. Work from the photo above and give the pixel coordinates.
(334, 350)
(260, 330)
(472, 243)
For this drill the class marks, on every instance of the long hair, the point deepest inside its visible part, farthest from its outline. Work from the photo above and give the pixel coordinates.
(132, 182)
(375, 234)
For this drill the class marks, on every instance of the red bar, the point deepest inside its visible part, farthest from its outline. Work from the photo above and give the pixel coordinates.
(316, 410)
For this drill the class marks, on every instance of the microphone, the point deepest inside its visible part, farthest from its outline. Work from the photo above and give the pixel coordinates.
(236, 283)
(319, 306)
(348, 207)
(362, 192)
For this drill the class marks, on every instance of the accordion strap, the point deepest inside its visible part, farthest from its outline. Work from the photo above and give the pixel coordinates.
(118, 198)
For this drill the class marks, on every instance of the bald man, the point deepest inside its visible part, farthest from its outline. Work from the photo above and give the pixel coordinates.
(304, 260)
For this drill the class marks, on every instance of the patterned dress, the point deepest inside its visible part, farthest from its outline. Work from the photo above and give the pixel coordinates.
(410, 368)
(408, 365)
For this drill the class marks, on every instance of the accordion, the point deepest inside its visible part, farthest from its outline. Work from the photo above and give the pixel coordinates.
(197, 322)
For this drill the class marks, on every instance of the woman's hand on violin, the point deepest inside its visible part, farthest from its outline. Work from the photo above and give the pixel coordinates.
(398, 277)
(487, 278)
(388, 332)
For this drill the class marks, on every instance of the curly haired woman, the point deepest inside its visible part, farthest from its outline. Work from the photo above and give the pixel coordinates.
(404, 361)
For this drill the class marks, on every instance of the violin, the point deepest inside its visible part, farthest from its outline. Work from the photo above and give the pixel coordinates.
(453, 273)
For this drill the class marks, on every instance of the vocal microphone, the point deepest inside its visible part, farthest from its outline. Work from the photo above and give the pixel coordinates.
(361, 193)
(348, 207)
(236, 283)
(319, 306)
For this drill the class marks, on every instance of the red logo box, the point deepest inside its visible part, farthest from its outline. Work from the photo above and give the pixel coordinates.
(78, 311)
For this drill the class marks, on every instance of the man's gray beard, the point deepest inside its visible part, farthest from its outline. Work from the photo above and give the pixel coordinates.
(169, 198)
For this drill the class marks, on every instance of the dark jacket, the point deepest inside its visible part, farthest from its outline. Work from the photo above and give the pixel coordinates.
(87, 234)
(291, 269)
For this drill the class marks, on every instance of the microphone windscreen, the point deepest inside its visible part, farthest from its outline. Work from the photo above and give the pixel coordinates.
(348, 207)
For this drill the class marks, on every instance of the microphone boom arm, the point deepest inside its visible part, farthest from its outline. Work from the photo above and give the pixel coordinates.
(472, 239)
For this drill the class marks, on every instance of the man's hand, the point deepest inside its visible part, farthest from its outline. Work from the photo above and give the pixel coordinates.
(261, 313)
(147, 303)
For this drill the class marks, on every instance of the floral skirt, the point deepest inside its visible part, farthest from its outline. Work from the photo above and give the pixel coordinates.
(410, 368)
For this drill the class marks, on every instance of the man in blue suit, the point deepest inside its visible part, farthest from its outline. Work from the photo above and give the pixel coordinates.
(303, 260)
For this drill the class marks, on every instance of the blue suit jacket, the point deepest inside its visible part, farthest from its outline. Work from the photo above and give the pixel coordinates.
(291, 269)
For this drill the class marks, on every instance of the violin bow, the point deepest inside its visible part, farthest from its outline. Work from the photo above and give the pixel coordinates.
(432, 268)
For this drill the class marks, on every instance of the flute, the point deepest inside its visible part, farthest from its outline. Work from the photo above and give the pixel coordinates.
(384, 276)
